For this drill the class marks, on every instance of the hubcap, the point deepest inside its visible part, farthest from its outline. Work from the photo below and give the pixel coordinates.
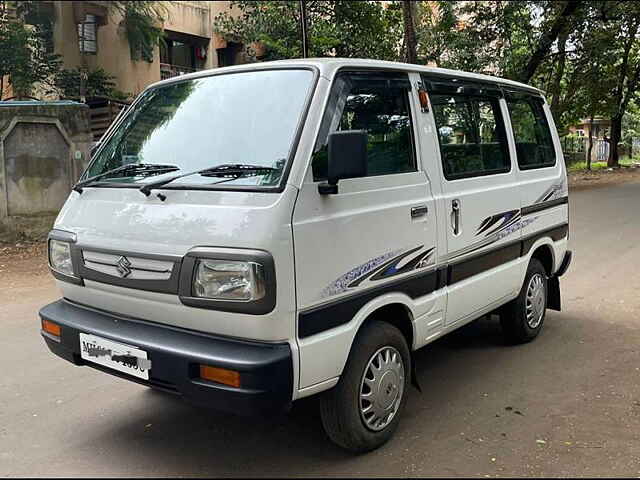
(381, 388)
(536, 300)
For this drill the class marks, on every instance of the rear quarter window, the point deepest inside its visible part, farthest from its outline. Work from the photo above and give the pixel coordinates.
(534, 143)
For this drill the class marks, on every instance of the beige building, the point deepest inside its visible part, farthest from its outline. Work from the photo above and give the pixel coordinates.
(92, 30)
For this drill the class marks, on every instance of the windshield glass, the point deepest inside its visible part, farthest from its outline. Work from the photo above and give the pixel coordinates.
(241, 118)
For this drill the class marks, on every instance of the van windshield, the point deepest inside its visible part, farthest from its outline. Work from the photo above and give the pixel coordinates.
(247, 118)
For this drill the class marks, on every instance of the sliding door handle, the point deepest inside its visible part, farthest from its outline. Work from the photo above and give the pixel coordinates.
(419, 211)
(455, 216)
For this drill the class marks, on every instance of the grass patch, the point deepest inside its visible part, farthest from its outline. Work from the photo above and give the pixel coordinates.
(581, 166)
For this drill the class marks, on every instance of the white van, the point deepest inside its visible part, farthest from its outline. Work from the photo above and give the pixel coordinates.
(248, 236)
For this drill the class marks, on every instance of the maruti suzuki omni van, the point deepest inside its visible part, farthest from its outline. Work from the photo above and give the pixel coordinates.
(249, 236)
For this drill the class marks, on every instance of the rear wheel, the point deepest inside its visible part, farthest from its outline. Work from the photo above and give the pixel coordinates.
(362, 411)
(523, 317)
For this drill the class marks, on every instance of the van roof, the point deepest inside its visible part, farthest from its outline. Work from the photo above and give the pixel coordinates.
(328, 67)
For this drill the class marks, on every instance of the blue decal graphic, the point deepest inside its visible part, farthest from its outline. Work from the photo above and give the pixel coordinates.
(379, 268)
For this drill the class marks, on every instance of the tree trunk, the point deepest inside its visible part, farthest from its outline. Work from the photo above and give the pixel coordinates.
(614, 139)
(590, 148)
(546, 40)
(556, 87)
(410, 41)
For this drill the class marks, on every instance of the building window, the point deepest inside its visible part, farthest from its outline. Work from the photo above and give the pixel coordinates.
(181, 54)
(229, 55)
(87, 35)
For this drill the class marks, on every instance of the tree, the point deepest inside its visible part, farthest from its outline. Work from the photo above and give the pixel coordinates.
(27, 47)
(342, 28)
(142, 24)
(623, 29)
(98, 84)
(558, 25)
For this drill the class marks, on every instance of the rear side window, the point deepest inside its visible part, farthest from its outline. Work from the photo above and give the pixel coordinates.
(377, 102)
(534, 144)
(471, 135)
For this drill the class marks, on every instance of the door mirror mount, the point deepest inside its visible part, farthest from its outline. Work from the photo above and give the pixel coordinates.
(347, 158)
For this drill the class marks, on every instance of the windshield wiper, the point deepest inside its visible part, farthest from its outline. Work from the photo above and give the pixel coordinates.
(230, 170)
(139, 168)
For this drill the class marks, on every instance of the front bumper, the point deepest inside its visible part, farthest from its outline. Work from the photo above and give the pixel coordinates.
(266, 369)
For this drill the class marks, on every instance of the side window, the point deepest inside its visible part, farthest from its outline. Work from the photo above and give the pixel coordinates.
(471, 135)
(378, 103)
(534, 144)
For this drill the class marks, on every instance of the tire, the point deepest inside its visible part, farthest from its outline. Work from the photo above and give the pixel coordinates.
(523, 317)
(340, 407)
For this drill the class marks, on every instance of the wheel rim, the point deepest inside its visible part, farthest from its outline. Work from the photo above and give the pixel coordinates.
(536, 300)
(381, 388)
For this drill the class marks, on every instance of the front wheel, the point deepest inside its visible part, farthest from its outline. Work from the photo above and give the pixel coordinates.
(362, 411)
(523, 317)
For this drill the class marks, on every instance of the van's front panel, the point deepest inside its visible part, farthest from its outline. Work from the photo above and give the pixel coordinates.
(148, 230)
(174, 253)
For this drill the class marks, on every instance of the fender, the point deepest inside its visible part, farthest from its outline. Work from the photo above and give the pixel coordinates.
(325, 354)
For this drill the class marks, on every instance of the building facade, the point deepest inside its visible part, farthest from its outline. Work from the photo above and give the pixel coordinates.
(91, 32)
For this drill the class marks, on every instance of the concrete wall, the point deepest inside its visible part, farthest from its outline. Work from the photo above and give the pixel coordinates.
(44, 147)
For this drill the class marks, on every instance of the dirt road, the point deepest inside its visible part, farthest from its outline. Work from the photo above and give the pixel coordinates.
(567, 404)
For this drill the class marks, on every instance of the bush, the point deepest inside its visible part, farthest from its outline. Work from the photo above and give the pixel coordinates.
(98, 84)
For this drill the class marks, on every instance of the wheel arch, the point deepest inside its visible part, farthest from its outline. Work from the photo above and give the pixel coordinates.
(545, 254)
(392, 308)
(324, 356)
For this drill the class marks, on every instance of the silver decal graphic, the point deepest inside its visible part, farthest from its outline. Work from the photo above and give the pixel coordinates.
(556, 190)
(382, 267)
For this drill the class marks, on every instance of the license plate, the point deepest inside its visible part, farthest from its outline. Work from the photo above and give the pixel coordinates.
(124, 358)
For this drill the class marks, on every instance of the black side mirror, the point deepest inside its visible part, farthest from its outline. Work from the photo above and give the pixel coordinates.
(347, 158)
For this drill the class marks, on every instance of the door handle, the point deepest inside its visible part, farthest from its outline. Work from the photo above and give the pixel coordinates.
(455, 216)
(419, 211)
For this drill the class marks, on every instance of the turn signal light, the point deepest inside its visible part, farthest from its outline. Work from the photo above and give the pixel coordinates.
(51, 328)
(220, 375)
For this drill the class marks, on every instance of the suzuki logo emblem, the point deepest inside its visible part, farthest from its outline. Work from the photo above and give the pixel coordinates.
(123, 266)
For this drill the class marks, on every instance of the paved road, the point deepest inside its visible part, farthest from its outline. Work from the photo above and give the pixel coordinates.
(567, 404)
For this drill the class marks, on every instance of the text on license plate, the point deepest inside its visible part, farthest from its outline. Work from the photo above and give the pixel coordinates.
(124, 358)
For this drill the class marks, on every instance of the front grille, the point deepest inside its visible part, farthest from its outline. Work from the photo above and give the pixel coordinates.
(127, 266)
(155, 273)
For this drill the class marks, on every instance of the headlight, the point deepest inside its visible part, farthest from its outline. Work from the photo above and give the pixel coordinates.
(60, 257)
(229, 280)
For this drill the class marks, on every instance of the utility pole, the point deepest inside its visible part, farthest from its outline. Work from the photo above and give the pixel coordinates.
(303, 29)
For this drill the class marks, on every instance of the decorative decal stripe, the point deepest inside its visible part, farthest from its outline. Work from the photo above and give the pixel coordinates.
(489, 222)
(511, 221)
(380, 268)
(341, 311)
(555, 190)
(537, 207)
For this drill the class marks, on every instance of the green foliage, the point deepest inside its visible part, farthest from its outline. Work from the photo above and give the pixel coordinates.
(345, 29)
(27, 50)
(97, 84)
(489, 37)
(142, 24)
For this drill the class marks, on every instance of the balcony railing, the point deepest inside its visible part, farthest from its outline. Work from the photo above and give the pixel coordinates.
(170, 71)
